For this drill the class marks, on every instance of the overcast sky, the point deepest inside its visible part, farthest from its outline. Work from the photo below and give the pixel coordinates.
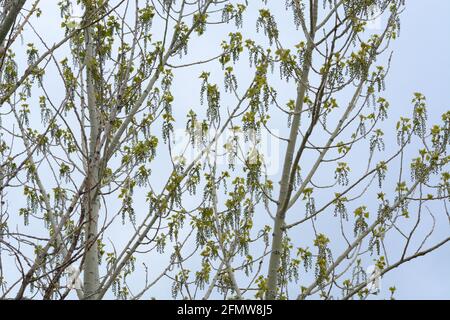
(421, 63)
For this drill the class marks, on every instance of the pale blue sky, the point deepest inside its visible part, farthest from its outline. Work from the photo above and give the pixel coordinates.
(421, 62)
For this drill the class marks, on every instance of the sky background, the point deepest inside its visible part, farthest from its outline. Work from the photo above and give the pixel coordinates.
(421, 63)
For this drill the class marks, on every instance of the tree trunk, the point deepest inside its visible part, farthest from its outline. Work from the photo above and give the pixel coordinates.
(277, 235)
(11, 16)
(91, 199)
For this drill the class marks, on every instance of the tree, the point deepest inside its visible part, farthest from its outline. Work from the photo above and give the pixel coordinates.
(111, 199)
(10, 11)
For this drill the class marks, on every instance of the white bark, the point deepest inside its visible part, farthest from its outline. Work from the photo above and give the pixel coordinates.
(9, 19)
(277, 236)
(91, 200)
